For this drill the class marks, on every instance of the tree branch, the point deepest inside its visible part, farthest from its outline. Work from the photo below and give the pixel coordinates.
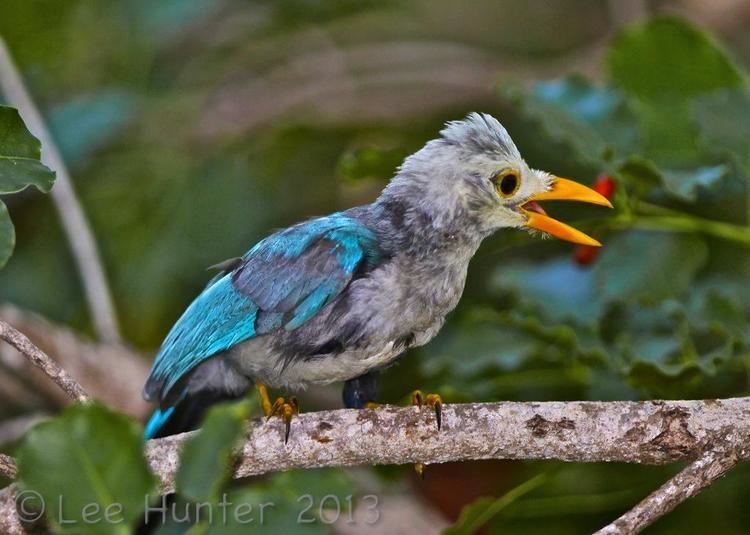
(77, 230)
(648, 432)
(8, 466)
(697, 476)
(43, 362)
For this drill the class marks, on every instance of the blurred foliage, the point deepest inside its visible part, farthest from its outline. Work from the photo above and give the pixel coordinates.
(19, 168)
(195, 127)
(476, 515)
(86, 464)
(206, 458)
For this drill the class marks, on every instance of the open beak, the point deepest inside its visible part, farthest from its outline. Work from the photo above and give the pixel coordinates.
(562, 190)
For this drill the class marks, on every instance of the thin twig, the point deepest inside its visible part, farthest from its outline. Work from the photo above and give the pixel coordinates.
(71, 213)
(688, 483)
(8, 466)
(91, 363)
(43, 362)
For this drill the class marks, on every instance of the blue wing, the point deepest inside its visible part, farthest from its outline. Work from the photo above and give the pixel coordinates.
(281, 283)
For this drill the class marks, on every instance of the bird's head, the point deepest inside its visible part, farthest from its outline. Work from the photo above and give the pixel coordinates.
(474, 171)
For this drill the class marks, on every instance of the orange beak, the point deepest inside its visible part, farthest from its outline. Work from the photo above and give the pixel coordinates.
(562, 190)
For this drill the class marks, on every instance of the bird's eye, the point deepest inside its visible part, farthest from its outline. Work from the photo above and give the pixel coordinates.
(507, 183)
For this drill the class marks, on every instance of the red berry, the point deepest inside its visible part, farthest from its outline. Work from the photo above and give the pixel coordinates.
(586, 254)
(605, 185)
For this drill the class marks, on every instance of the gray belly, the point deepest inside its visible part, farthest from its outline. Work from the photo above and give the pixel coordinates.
(258, 360)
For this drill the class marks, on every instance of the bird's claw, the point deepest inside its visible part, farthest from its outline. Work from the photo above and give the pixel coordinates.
(286, 410)
(432, 400)
(419, 469)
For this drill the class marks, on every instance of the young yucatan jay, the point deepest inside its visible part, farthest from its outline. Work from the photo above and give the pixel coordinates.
(340, 297)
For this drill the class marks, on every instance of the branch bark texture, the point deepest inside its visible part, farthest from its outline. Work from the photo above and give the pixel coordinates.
(649, 432)
(689, 482)
(8, 466)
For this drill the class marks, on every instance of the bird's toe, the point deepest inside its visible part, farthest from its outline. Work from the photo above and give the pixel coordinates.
(431, 400)
(286, 410)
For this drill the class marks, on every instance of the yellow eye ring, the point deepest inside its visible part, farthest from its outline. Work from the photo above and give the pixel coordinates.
(507, 183)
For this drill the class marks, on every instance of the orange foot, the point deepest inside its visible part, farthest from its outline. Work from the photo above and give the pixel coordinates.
(286, 410)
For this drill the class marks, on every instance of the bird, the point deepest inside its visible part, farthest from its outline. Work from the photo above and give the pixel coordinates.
(341, 297)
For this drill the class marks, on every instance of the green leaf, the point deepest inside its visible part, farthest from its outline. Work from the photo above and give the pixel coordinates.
(641, 174)
(259, 510)
(670, 347)
(492, 347)
(662, 65)
(478, 513)
(517, 352)
(603, 110)
(664, 379)
(19, 156)
(88, 467)
(668, 131)
(580, 98)
(721, 303)
(668, 58)
(19, 168)
(685, 184)
(545, 107)
(305, 502)
(561, 289)
(722, 118)
(7, 235)
(648, 266)
(205, 460)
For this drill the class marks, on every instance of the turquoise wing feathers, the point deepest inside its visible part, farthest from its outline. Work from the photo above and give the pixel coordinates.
(281, 283)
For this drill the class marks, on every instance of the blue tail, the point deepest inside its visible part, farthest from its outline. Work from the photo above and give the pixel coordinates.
(185, 413)
(156, 422)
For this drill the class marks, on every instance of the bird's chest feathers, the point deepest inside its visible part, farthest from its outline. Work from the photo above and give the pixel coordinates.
(433, 286)
(434, 275)
(416, 293)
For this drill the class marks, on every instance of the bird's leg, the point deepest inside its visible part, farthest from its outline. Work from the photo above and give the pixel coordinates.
(361, 392)
(265, 401)
(286, 410)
